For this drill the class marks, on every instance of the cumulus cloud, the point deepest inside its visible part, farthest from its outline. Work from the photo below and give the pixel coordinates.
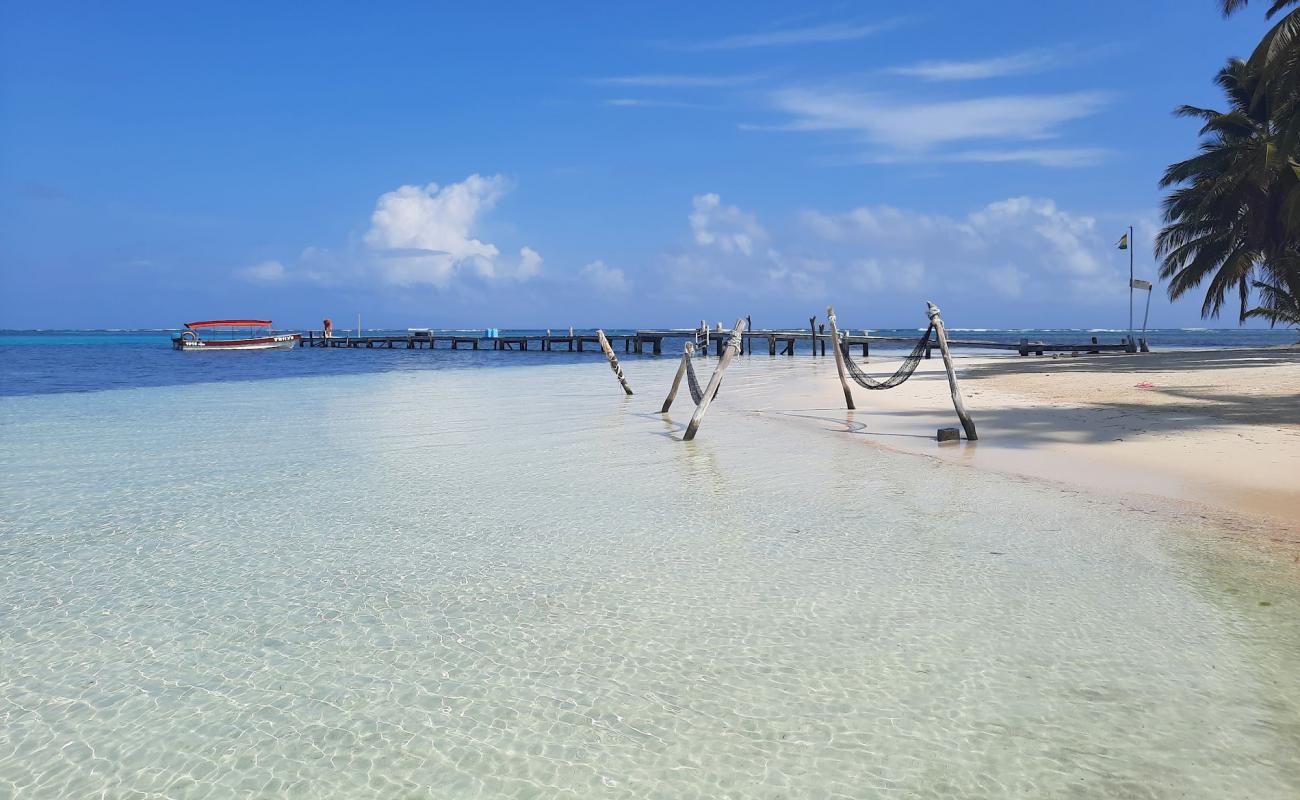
(530, 264)
(606, 279)
(424, 234)
(1006, 246)
(725, 227)
(1020, 247)
(731, 252)
(417, 235)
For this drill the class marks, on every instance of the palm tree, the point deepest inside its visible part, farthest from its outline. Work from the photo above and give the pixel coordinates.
(1227, 215)
(1277, 56)
(1230, 7)
(1281, 298)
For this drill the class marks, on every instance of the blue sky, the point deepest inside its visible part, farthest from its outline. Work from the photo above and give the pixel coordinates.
(593, 164)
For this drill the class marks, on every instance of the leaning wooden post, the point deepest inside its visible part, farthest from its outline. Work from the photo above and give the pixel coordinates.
(812, 328)
(839, 356)
(613, 360)
(733, 345)
(677, 379)
(957, 403)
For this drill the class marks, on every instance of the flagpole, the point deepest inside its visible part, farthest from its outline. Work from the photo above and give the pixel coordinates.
(1130, 282)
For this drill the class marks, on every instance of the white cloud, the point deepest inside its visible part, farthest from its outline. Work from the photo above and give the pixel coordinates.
(425, 234)
(1007, 246)
(999, 66)
(1044, 156)
(1024, 248)
(264, 272)
(530, 264)
(905, 130)
(417, 235)
(724, 227)
(816, 34)
(606, 279)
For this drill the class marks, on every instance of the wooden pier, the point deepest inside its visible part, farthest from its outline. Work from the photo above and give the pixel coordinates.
(778, 342)
(637, 342)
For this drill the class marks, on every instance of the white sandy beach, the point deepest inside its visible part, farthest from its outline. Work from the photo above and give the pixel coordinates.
(1219, 429)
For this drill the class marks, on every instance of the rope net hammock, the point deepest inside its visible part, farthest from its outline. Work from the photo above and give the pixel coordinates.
(900, 375)
(693, 383)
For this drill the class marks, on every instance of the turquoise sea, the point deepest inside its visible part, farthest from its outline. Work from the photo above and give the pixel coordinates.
(354, 574)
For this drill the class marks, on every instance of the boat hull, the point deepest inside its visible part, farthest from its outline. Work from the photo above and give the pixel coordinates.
(281, 342)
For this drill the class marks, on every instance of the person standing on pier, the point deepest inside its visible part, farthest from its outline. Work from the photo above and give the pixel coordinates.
(329, 328)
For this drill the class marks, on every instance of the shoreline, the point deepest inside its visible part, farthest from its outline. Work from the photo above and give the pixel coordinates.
(1217, 431)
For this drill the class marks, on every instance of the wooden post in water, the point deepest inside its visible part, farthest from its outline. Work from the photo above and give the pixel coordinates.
(812, 328)
(839, 356)
(749, 330)
(733, 345)
(677, 379)
(966, 422)
(613, 360)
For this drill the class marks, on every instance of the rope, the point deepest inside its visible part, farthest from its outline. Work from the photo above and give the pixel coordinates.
(900, 375)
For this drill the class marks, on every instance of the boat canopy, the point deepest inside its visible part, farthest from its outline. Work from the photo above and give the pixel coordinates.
(230, 323)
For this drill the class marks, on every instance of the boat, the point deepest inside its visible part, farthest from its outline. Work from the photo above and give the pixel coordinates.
(232, 334)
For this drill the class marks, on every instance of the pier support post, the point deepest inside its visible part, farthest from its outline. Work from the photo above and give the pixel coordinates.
(687, 351)
(613, 360)
(966, 422)
(733, 346)
(836, 344)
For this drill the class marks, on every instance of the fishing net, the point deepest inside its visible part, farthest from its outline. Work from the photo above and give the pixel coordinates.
(900, 375)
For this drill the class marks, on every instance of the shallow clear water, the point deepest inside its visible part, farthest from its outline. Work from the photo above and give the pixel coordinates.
(516, 583)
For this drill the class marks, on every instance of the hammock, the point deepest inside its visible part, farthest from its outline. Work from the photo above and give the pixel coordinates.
(900, 375)
(693, 383)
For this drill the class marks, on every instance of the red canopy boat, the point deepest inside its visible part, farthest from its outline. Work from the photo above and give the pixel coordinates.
(232, 334)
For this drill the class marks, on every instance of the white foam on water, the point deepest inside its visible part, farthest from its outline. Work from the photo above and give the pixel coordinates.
(516, 583)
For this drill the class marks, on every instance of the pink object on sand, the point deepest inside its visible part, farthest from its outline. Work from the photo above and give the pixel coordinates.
(1145, 385)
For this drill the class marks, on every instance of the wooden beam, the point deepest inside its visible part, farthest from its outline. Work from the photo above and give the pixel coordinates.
(677, 379)
(839, 356)
(733, 346)
(613, 360)
(966, 422)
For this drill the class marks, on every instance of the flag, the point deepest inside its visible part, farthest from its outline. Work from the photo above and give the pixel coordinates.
(1123, 242)
(1138, 283)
